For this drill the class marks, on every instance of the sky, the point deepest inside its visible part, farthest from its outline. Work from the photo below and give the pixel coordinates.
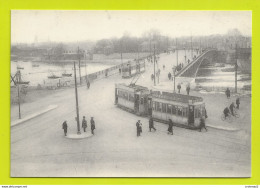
(29, 26)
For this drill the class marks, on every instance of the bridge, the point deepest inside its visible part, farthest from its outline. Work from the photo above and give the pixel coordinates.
(192, 68)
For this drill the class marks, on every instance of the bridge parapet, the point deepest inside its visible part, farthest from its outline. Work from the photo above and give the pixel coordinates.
(191, 69)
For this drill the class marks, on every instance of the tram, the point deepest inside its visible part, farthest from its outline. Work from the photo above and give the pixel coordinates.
(184, 110)
(132, 68)
(132, 98)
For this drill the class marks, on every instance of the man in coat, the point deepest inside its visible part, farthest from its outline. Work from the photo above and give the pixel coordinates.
(170, 130)
(65, 127)
(202, 124)
(151, 124)
(231, 107)
(188, 89)
(84, 124)
(228, 93)
(88, 84)
(138, 128)
(237, 103)
(179, 88)
(92, 123)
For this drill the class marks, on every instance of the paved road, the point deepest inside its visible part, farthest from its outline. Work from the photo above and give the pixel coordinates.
(39, 149)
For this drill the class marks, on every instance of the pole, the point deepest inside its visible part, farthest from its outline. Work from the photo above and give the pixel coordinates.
(185, 54)
(174, 79)
(18, 76)
(236, 71)
(79, 67)
(176, 51)
(191, 48)
(121, 53)
(200, 46)
(154, 65)
(76, 94)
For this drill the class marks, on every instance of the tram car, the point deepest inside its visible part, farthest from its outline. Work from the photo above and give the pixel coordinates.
(132, 68)
(132, 98)
(184, 110)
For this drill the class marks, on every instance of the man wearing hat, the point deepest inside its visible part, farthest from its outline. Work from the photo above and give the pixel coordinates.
(84, 124)
(65, 127)
(138, 128)
(92, 123)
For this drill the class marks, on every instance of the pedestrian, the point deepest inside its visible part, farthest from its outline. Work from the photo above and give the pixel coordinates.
(237, 103)
(152, 77)
(163, 67)
(231, 107)
(138, 128)
(65, 127)
(188, 89)
(169, 75)
(84, 124)
(227, 93)
(206, 115)
(92, 123)
(151, 124)
(179, 88)
(226, 112)
(202, 124)
(88, 84)
(170, 129)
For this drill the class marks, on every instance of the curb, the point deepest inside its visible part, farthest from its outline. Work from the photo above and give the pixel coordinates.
(19, 121)
(222, 128)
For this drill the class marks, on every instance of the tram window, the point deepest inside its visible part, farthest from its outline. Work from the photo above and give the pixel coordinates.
(179, 111)
(126, 95)
(163, 108)
(142, 100)
(153, 105)
(159, 106)
(196, 113)
(174, 109)
(199, 112)
(169, 108)
(131, 97)
(184, 111)
(120, 94)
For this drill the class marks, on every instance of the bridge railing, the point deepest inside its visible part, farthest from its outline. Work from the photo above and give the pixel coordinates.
(192, 64)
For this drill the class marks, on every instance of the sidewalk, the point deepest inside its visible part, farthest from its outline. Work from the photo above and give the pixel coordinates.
(49, 108)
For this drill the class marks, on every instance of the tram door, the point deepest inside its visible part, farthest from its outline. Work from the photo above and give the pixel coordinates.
(150, 107)
(191, 114)
(137, 98)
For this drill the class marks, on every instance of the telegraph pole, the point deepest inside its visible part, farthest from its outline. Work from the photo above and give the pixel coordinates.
(236, 71)
(121, 52)
(177, 51)
(185, 53)
(18, 76)
(174, 70)
(79, 67)
(154, 65)
(191, 48)
(76, 94)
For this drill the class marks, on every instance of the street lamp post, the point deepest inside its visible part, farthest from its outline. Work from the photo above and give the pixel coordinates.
(76, 94)
(185, 54)
(236, 71)
(174, 70)
(154, 65)
(18, 80)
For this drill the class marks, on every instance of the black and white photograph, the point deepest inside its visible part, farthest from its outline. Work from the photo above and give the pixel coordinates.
(103, 93)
